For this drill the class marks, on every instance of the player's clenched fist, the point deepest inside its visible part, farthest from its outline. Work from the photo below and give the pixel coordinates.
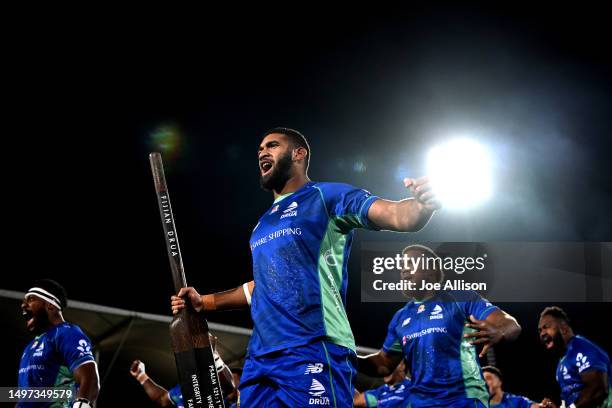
(178, 302)
(138, 371)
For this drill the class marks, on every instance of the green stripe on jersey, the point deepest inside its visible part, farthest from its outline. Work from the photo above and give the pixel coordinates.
(331, 260)
(475, 386)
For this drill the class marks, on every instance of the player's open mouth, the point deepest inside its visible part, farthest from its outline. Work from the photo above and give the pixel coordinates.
(29, 318)
(548, 342)
(265, 166)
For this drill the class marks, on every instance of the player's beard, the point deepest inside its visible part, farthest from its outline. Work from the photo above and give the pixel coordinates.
(417, 294)
(41, 322)
(275, 181)
(558, 348)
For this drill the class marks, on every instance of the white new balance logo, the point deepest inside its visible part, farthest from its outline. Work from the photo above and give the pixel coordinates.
(316, 388)
(315, 368)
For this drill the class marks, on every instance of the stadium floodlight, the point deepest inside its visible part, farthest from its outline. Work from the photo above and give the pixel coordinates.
(460, 173)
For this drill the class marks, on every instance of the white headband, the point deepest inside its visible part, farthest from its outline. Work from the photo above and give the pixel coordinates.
(43, 294)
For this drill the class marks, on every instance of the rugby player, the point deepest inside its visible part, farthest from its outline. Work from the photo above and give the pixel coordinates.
(436, 333)
(584, 369)
(392, 394)
(302, 350)
(60, 353)
(501, 399)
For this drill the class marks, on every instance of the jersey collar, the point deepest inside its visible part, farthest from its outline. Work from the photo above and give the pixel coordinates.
(282, 197)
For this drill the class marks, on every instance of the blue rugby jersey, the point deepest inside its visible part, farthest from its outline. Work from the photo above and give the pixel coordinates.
(300, 251)
(582, 355)
(444, 366)
(50, 359)
(513, 401)
(389, 396)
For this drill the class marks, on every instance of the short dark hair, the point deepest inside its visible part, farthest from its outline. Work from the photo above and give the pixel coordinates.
(54, 288)
(430, 253)
(296, 138)
(493, 370)
(556, 312)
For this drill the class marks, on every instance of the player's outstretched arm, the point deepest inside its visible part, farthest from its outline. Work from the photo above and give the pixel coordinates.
(236, 298)
(86, 375)
(378, 364)
(498, 326)
(407, 215)
(155, 392)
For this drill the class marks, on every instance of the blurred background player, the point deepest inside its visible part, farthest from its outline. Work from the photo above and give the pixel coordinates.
(155, 392)
(436, 333)
(584, 369)
(174, 397)
(502, 399)
(302, 350)
(392, 394)
(60, 354)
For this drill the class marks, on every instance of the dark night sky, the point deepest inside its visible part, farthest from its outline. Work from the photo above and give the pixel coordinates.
(378, 88)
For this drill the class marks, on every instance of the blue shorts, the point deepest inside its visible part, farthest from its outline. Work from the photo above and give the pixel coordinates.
(320, 374)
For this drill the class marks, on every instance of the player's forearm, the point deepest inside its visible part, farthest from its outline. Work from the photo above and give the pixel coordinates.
(401, 216)
(373, 365)
(509, 327)
(89, 383)
(156, 392)
(237, 298)
(412, 216)
(591, 396)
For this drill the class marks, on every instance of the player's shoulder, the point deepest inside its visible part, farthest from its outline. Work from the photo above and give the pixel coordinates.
(464, 295)
(580, 344)
(460, 296)
(68, 329)
(404, 313)
(406, 309)
(328, 187)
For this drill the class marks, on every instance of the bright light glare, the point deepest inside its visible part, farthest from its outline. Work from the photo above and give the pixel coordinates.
(460, 173)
